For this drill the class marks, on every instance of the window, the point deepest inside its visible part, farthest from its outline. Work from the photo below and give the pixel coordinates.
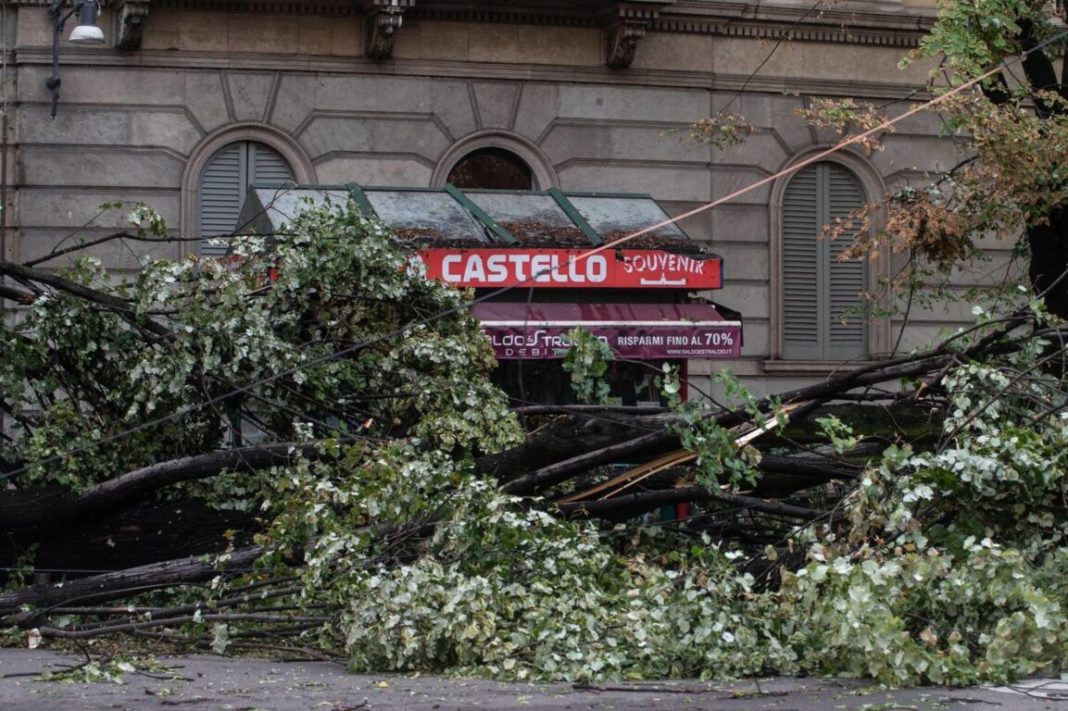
(492, 169)
(822, 295)
(224, 181)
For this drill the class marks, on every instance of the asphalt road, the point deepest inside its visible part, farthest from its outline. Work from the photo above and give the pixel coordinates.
(206, 682)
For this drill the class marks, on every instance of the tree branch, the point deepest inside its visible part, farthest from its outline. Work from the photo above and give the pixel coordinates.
(30, 507)
(86, 293)
(127, 583)
(648, 500)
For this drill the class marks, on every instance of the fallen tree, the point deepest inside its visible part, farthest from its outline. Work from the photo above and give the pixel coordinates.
(332, 446)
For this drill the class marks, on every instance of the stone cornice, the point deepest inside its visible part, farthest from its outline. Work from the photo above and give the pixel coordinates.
(853, 21)
(168, 61)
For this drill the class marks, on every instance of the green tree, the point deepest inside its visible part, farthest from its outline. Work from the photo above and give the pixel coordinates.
(326, 333)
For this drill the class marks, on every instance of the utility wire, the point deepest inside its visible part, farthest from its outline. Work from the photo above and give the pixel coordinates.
(786, 35)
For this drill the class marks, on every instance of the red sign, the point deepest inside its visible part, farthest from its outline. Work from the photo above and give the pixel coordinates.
(572, 268)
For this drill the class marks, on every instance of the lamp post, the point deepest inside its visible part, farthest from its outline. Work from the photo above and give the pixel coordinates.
(85, 33)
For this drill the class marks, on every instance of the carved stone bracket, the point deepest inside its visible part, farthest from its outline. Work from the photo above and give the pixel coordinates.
(623, 40)
(130, 16)
(383, 20)
(626, 27)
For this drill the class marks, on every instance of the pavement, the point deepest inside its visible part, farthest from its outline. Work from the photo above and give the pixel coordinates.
(208, 682)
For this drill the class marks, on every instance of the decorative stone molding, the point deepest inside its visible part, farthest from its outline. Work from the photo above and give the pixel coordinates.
(281, 7)
(383, 21)
(755, 29)
(130, 16)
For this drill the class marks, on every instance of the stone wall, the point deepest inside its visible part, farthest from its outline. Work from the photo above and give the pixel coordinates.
(131, 124)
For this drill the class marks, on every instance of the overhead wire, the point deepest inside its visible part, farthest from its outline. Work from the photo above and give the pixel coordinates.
(787, 34)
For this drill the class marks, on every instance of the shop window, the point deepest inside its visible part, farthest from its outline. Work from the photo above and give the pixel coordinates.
(224, 182)
(822, 294)
(492, 169)
(546, 383)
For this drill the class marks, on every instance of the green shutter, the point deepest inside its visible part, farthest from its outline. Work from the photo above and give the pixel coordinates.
(268, 166)
(220, 196)
(820, 292)
(847, 328)
(801, 267)
(223, 185)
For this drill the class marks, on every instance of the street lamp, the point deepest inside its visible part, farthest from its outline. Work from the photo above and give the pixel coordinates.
(85, 33)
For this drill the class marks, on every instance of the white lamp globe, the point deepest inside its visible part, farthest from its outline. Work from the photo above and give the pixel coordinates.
(87, 34)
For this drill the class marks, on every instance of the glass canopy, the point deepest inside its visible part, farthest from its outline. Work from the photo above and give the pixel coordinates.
(478, 218)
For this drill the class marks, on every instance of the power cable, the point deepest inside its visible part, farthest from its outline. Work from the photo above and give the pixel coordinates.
(786, 35)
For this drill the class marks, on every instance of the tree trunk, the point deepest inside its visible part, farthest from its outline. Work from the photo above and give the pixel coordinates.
(1049, 261)
(568, 437)
(21, 508)
(127, 583)
(142, 534)
(638, 502)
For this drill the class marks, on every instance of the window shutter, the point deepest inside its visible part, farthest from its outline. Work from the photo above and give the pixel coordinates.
(225, 181)
(268, 166)
(821, 294)
(221, 195)
(847, 332)
(801, 266)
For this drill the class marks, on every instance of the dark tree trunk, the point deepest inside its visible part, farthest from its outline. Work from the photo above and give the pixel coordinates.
(139, 535)
(1049, 260)
(1049, 249)
(639, 502)
(35, 507)
(127, 583)
(565, 438)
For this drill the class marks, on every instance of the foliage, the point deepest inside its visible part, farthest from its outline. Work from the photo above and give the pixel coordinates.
(111, 670)
(1013, 181)
(720, 131)
(1013, 134)
(837, 433)
(849, 118)
(587, 361)
(719, 458)
(974, 36)
(949, 574)
(336, 345)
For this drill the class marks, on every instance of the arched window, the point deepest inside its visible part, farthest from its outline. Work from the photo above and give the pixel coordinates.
(224, 182)
(492, 169)
(822, 295)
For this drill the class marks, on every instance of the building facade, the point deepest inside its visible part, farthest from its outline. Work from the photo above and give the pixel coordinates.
(188, 101)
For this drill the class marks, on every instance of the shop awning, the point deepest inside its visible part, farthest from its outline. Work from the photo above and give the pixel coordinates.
(537, 331)
(489, 239)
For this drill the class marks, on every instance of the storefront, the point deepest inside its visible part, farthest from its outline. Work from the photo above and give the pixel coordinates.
(540, 265)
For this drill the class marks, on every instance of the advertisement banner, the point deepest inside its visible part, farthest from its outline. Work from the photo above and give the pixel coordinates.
(639, 342)
(573, 268)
